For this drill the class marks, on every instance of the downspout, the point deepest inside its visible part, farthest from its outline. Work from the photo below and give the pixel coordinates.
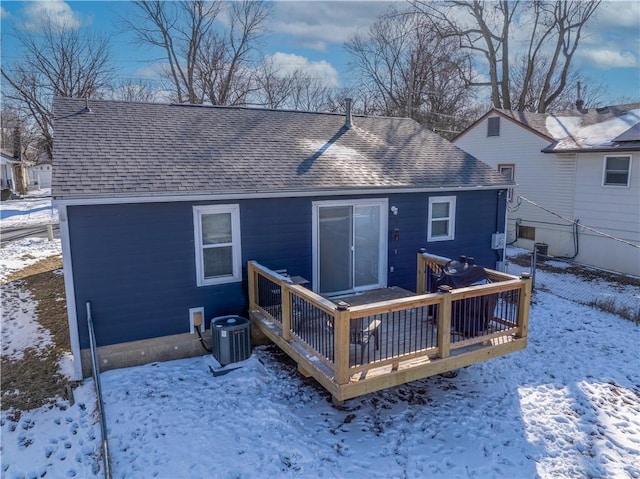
(506, 219)
(501, 194)
(67, 268)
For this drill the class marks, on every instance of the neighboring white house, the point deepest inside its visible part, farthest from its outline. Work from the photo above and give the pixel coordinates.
(40, 173)
(7, 177)
(578, 180)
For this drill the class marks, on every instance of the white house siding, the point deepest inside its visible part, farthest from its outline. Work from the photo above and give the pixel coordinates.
(614, 210)
(40, 176)
(546, 179)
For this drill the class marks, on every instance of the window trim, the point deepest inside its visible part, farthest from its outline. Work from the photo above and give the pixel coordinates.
(383, 203)
(513, 177)
(530, 229)
(451, 218)
(604, 171)
(236, 253)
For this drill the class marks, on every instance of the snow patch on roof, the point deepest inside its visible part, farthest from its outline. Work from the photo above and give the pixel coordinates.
(570, 132)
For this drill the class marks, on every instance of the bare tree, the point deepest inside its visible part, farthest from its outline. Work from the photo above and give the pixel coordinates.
(491, 28)
(205, 60)
(137, 90)
(273, 88)
(407, 69)
(57, 61)
(226, 61)
(295, 89)
(179, 28)
(579, 86)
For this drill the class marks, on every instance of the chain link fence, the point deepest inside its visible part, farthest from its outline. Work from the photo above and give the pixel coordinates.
(615, 293)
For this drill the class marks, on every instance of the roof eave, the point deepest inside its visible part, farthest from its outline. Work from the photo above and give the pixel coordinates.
(595, 149)
(122, 198)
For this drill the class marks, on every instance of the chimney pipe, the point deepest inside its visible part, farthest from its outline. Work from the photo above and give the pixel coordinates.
(579, 101)
(17, 143)
(347, 111)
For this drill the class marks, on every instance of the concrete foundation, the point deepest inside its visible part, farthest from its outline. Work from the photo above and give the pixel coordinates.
(136, 353)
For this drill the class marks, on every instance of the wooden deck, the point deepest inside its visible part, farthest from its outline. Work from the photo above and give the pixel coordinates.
(362, 343)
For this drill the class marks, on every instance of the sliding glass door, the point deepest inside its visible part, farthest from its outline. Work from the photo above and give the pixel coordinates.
(350, 250)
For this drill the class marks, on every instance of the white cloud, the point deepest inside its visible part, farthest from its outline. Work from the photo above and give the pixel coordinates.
(3, 13)
(58, 11)
(612, 15)
(152, 71)
(289, 62)
(606, 58)
(314, 24)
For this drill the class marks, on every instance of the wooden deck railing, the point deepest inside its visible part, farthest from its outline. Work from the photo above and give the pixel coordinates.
(338, 341)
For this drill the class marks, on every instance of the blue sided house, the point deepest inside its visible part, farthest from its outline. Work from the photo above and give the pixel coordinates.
(163, 207)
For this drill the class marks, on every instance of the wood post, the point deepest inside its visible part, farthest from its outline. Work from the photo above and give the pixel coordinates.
(251, 285)
(524, 305)
(341, 344)
(422, 273)
(444, 322)
(286, 310)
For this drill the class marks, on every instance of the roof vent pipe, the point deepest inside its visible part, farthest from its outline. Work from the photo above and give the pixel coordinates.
(86, 104)
(579, 101)
(347, 112)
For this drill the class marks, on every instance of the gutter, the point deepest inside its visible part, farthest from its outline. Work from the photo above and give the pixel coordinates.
(61, 200)
(596, 149)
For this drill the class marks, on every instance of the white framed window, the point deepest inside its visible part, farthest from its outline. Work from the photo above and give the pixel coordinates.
(442, 218)
(617, 170)
(217, 243)
(508, 170)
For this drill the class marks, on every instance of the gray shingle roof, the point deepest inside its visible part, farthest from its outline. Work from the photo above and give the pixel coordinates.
(141, 149)
(632, 134)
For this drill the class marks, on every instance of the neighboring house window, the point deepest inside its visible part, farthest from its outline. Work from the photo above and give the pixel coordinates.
(617, 170)
(217, 243)
(442, 218)
(526, 232)
(510, 172)
(493, 126)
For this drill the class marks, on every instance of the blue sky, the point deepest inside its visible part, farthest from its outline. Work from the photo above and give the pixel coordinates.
(311, 34)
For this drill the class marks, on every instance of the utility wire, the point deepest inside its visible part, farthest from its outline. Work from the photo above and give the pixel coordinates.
(593, 230)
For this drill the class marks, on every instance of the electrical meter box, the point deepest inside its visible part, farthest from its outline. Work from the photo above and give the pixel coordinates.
(497, 241)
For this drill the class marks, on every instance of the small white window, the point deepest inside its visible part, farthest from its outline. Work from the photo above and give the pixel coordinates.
(442, 218)
(617, 170)
(217, 243)
(508, 170)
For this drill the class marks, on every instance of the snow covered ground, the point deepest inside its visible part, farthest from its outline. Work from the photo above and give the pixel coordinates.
(568, 406)
(34, 209)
